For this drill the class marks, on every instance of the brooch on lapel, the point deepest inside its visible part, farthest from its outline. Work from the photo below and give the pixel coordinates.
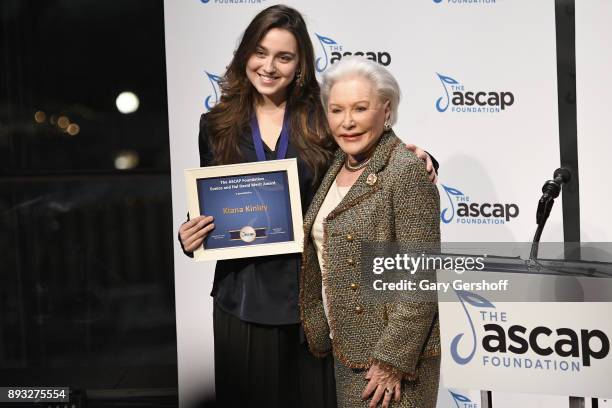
(371, 180)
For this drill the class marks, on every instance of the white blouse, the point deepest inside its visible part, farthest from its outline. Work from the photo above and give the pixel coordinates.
(332, 199)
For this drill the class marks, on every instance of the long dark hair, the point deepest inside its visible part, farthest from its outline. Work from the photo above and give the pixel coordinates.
(229, 120)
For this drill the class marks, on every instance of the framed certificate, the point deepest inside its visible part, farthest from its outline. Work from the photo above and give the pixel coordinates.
(256, 207)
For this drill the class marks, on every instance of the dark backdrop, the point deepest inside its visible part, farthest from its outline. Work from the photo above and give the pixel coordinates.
(86, 267)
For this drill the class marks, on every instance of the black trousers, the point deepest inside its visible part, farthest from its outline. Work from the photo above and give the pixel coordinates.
(267, 366)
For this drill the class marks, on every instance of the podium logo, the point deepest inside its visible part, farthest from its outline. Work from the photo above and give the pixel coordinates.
(460, 100)
(461, 401)
(504, 342)
(476, 301)
(334, 52)
(212, 99)
(465, 211)
(543, 341)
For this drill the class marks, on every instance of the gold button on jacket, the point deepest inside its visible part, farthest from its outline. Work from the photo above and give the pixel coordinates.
(402, 206)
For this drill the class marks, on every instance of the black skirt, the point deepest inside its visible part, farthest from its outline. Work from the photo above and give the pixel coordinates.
(268, 366)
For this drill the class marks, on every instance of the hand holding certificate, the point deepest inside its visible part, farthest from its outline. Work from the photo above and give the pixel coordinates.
(255, 206)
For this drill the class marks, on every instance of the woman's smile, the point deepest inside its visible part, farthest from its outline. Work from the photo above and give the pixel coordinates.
(267, 79)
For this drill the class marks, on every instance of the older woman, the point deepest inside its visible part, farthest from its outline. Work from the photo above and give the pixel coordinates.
(374, 191)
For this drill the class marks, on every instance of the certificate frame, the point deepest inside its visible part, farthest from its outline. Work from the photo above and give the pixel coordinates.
(289, 166)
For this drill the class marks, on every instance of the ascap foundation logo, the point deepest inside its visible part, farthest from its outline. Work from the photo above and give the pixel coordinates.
(462, 209)
(233, 2)
(505, 341)
(461, 401)
(332, 52)
(466, 2)
(466, 100)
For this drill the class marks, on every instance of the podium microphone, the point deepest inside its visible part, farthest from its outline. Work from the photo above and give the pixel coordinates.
(550, 191)
(553, 187)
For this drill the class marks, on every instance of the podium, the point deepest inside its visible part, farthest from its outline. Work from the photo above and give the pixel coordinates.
(549, 332)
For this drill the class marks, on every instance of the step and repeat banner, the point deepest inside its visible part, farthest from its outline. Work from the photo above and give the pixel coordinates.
(479, 91)
(593, 106)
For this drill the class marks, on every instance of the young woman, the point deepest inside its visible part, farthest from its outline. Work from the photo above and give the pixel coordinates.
(269, 109)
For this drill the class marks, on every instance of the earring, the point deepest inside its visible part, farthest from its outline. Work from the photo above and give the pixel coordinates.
(298, 78)
(387, 125)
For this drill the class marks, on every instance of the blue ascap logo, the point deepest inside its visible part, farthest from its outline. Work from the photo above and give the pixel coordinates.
(443, 101)
(476, 301)
(461, 100)
(333, 52)
(446, 215)
(212, 99)
(326, 43)
(232, 2)
(461, 401)
(467, 2)
(467, 211)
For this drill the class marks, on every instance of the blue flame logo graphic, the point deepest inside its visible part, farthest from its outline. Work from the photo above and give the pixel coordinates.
(449, 192)
(438, 1)
(458, 398)
(211, 100)
(323, 41)
(444, 99)
(476, 301)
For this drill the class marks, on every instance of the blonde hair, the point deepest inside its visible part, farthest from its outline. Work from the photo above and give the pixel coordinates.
(384, 83)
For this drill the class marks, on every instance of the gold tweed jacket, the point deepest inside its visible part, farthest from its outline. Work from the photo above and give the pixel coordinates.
(391, 201)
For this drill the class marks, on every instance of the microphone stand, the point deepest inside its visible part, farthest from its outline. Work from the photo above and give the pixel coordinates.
(550, 191)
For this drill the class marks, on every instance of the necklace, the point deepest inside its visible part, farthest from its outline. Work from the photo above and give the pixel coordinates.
(356, 167)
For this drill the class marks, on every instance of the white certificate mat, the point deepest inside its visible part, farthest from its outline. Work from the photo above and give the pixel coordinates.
(256, 207)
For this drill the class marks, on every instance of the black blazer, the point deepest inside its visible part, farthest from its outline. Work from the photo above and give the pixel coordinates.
(261, 289)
